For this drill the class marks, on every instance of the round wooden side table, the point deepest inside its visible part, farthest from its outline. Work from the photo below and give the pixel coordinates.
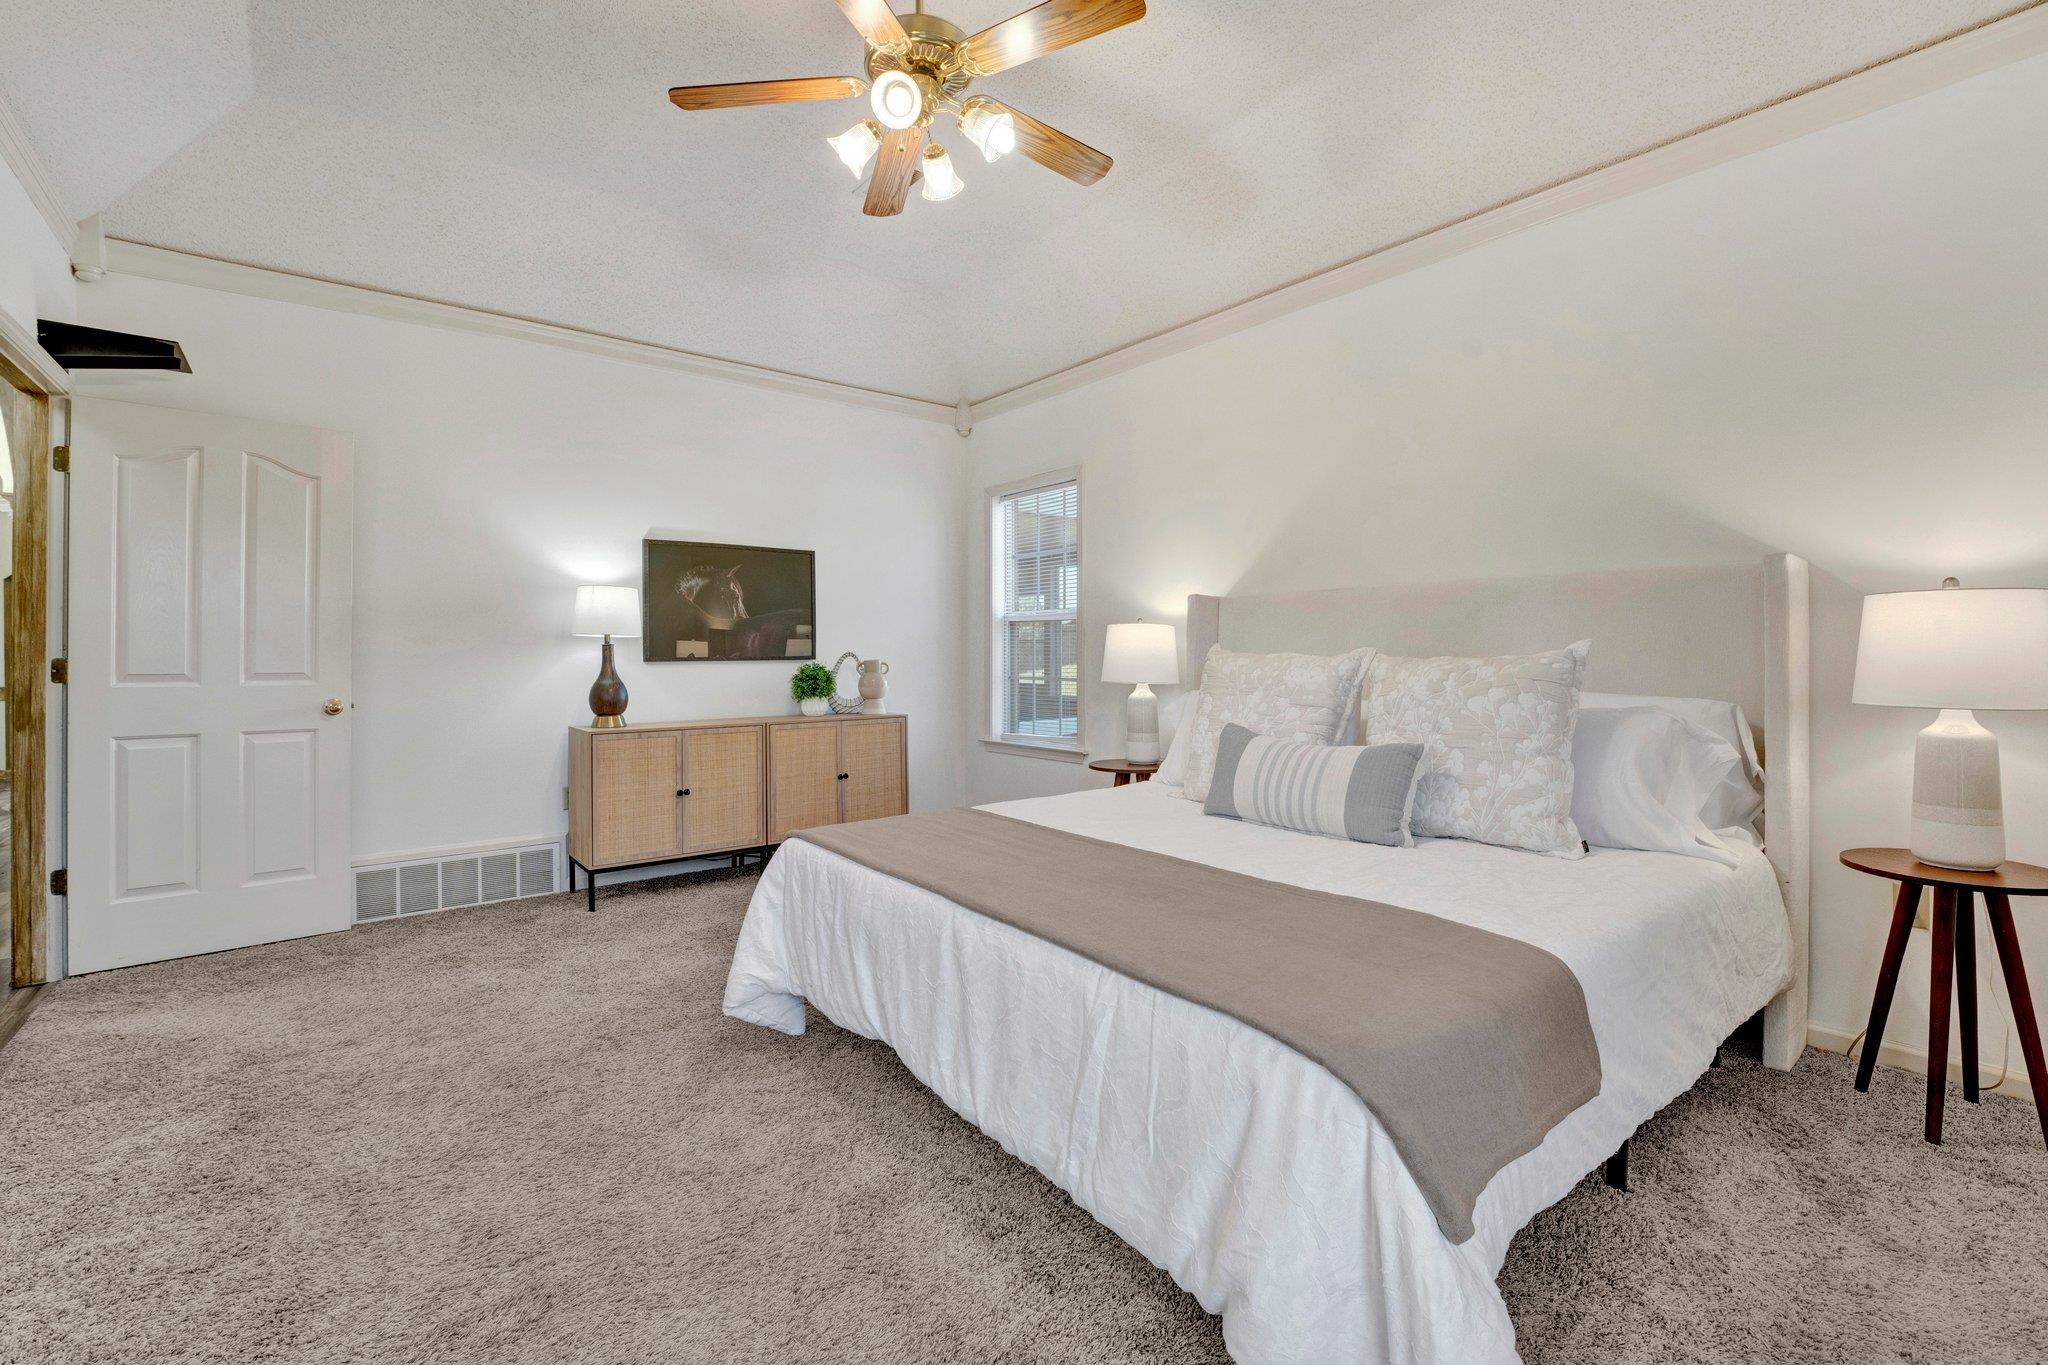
(1126, 771)
(1955, 964)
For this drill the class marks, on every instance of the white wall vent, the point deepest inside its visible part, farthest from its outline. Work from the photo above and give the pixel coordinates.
(419, 885)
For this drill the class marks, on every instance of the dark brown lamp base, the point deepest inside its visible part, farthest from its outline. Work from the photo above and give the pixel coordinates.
(607, 695)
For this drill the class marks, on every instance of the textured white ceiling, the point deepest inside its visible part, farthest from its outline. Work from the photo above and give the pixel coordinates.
(521, 156)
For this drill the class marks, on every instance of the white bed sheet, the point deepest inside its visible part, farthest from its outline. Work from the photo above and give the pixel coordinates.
(1253, 1176)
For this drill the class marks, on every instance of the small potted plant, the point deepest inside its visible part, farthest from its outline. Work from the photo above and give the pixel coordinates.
(812, 687)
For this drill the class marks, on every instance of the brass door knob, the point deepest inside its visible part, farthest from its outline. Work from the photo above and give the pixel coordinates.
(333, 706)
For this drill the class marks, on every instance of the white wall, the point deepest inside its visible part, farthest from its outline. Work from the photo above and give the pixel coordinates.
(1834, 347)
(35, 269)
(494, 475)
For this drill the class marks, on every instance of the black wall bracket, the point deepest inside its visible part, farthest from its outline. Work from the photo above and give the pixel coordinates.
(94, 348)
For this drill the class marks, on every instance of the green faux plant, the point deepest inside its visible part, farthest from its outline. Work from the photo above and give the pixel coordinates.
(810, 682)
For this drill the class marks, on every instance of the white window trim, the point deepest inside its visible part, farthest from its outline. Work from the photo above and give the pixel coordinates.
(1063, 750)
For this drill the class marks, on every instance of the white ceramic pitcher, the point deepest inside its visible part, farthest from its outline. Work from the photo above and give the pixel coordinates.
(874, 691)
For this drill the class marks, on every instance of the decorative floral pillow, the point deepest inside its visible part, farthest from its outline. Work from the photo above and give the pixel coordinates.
(1288, 696)
(1497, 737)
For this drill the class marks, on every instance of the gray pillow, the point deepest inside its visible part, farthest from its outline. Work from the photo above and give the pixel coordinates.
(1365, 793)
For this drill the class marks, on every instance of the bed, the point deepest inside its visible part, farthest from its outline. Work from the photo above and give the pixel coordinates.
(1259, 1182)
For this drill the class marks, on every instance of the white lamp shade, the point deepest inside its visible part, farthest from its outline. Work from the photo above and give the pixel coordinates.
(607, 611)
(1140, 652)
(1974, 649)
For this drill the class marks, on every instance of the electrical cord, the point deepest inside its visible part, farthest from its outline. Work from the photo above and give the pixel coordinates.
(2005, 1051)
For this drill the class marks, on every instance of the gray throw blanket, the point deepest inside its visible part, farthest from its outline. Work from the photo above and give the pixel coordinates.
(1466, 1045)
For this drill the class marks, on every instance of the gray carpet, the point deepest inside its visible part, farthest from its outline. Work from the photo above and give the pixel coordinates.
(523, 1133)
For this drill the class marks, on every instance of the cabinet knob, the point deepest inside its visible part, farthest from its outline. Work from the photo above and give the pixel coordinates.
(842, 777)
(684, 792)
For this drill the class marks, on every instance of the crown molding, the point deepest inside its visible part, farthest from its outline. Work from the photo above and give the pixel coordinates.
(20, 155)
(1922, 71)
(208, 272)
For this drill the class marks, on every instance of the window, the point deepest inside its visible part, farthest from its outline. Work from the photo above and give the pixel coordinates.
(1035, 557)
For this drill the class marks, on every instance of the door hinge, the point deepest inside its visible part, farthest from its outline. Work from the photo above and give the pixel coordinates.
(60, 459)
(60, 671)
(60, 882)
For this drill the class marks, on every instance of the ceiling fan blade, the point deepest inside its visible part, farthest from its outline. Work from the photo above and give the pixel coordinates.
(877, 23)
(743, 93)
(1046, 28)
(1053, 149)
(895, 164)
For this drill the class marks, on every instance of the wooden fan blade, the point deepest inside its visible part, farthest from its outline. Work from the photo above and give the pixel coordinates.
(1053, 149)
(742, 93)
(877, 23)
(895, 164)
(1047, 28)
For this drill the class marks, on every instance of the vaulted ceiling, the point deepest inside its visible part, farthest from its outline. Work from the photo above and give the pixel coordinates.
(520, 155)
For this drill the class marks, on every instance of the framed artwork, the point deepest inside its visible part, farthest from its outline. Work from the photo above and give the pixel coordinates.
(700, 600)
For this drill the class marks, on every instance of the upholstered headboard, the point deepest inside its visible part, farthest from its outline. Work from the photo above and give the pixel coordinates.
(1734, 633)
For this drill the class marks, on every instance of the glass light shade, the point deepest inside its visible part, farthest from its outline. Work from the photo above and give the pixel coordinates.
(897, 101)
(992, 131)
(1140, 652)
(607, 611)
(941, 182)
(1975, 649)
(856, 147)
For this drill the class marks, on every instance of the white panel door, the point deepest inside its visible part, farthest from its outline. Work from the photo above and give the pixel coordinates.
(211, 572)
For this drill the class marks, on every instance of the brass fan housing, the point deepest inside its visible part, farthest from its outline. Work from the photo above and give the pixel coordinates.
(934, 54)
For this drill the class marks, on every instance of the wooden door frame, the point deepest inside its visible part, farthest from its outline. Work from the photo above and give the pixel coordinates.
(35, 386)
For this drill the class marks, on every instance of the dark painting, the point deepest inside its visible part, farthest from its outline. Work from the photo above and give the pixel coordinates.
(705, 601)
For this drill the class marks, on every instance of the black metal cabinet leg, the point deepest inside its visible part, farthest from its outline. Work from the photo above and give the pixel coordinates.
(591, 881)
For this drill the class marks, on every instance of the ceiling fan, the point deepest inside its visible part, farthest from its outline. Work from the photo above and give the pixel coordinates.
(920, 67)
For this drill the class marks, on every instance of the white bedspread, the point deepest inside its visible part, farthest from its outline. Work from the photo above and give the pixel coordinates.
(1252, 1175)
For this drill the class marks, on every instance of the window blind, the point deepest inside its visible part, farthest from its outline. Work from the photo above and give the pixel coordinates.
(1037, 536)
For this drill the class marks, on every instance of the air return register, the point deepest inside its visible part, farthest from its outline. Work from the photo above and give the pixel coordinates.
(388, 890)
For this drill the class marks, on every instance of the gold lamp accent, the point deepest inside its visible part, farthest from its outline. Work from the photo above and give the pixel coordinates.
(919, 67)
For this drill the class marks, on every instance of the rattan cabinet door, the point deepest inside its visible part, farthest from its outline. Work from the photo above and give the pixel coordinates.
(803, 777)
(874, 769)
(635, 777)
(722, 773)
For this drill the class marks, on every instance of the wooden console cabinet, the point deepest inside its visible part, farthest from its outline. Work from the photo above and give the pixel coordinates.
(657, 793)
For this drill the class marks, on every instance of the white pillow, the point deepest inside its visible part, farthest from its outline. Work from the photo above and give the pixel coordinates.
(1640, 778)
(1288, 696)
(1737, 800)
(1497, 737)
(1173, 718)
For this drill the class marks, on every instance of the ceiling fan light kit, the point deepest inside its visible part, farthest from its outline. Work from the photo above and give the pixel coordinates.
(900, 100)
(919, 67)
(941, 181)
(991, 129)
(857, 146)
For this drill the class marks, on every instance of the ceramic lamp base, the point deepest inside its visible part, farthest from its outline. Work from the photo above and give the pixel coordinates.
(1958, 804)
(1141, 726)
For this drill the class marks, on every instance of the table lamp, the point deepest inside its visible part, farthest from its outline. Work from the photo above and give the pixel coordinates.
(1956, 650)
(1140, 652)
(607, 612)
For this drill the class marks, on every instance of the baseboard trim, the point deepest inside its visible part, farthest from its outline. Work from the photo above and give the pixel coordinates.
(427, 855)
(1914, 1059)
(15, 1009)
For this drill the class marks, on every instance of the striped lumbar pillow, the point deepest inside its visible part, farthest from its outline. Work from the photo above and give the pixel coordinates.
(1364, 792)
